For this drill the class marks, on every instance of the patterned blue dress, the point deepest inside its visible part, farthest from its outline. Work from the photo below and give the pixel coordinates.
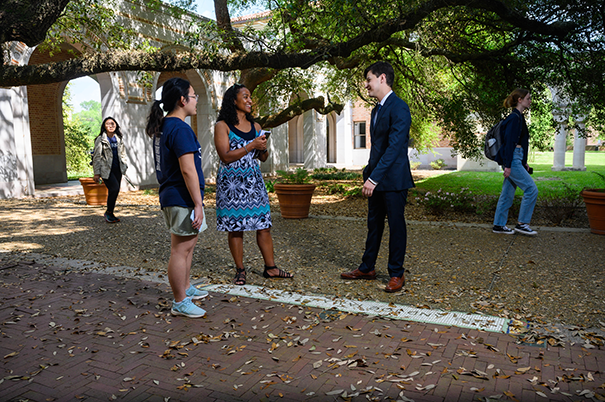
(242, 202)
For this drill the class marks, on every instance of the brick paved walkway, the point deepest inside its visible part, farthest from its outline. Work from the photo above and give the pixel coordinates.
(68, 336)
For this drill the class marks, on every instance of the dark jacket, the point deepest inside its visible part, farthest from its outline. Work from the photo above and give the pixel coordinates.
(515, 133)
(389, 165)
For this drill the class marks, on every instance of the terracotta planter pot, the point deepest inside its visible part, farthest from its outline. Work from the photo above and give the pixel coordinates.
(294, 199)
(95, 193)
(595, 208)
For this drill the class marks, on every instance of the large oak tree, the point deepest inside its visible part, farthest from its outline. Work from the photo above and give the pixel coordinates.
(455, 59)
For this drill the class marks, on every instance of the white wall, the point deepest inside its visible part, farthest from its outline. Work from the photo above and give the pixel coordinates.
(483, 165)
(16, 163)
(436, 153)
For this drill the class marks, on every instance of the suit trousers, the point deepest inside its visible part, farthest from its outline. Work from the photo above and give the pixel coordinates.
(390, 204)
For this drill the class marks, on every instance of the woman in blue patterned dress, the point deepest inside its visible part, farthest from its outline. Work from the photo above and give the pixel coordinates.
(242, 202)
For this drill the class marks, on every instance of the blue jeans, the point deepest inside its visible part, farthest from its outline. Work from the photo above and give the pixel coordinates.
(521, 178)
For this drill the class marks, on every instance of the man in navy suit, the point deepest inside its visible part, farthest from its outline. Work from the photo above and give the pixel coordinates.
(387, 177)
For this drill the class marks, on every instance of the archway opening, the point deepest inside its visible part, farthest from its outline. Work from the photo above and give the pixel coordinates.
(82, 118)
(46, 122)
(296, 138)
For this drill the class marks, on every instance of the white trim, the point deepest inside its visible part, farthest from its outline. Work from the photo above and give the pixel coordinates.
(372, 308)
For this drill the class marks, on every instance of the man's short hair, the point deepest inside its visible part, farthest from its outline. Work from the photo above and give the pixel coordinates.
(379, 68)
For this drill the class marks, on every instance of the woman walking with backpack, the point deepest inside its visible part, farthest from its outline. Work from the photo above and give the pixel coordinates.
(512, 156)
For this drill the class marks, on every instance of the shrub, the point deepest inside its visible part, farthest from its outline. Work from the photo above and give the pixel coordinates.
(77, 146)
(602, 177)
(334, 174)
(486, 204)
(151, 191)
(299, 176)
(270, 186)
(464, 202)
(562, 205)
(354, 191)
(414, 165)
(336, 188)
(340, 188)
(438, 164)
(442, 201)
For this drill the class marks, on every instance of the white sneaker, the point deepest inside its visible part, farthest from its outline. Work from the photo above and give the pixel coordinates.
(523, 228)
(195, 293)
(187, 308)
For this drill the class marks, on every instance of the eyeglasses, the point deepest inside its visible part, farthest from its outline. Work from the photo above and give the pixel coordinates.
(194, 96)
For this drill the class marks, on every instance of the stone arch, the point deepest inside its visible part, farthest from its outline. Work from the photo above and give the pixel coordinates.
(46, 121)
(296, 137)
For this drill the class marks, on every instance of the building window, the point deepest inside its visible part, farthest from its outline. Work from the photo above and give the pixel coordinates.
(360, 135)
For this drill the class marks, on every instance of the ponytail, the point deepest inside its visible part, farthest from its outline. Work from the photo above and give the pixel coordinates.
(172, 92)
(154, 121)
(513, 99)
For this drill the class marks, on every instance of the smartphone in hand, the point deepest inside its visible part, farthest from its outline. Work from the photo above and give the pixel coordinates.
(204, 225)
(267, 134)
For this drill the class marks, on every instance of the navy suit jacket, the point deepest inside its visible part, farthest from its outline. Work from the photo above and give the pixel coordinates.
(389, 165)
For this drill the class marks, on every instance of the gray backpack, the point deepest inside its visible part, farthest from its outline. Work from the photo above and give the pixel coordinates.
(493, 141)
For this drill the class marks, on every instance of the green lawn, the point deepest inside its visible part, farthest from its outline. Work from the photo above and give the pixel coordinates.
(592, 158)
(548, 182)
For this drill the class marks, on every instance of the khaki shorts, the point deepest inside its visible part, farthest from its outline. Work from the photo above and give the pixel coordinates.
(178, 220)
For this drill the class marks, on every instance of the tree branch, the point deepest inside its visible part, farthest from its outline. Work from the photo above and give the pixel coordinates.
(297, 109)
(160, 61)
(28, 21)
(453, 56)
(253, 77)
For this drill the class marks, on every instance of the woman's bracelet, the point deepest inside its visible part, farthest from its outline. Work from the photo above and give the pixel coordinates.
(246, 149)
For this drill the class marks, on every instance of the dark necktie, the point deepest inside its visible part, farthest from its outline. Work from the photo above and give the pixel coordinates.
(377, 111)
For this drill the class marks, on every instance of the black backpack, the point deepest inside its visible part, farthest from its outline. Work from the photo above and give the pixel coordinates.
(493, 141)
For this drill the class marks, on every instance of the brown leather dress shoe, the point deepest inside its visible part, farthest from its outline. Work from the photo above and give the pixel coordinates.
(395, 284)
(357, 274)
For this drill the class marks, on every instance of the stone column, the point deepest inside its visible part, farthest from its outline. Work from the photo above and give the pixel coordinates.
(560, 143)
(579, 145)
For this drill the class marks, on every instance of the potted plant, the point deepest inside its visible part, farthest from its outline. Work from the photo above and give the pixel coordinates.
(594, 198)
(294, 193)
(95, 193)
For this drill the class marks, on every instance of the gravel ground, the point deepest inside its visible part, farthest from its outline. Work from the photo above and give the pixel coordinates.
(457, 265)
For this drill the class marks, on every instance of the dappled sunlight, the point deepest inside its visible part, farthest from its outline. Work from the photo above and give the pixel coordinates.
(20, 246)
(317, 250)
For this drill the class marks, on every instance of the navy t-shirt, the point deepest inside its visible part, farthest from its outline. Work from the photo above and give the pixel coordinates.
(176, 140)
(113, 143)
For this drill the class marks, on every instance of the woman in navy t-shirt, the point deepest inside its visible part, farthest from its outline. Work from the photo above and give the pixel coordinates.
(178, 164)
